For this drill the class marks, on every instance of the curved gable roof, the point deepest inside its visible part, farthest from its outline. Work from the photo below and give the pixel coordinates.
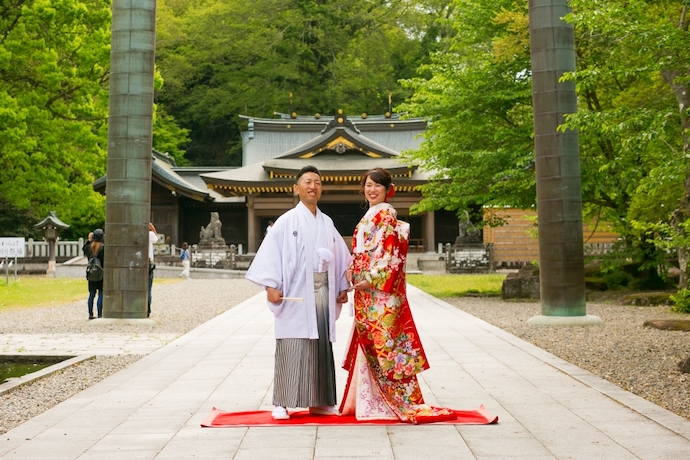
(339, 138)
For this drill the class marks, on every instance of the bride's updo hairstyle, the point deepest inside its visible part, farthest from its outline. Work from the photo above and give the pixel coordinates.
(378, 175)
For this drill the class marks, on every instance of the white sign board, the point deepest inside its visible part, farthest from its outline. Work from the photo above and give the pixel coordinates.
(11, 247)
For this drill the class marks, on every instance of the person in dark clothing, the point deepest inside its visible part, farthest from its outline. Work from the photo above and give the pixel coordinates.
(95, 246)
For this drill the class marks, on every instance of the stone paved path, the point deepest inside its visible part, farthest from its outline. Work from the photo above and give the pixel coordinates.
(548, 408)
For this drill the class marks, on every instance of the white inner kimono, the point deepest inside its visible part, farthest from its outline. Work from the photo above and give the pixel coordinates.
(299, 244)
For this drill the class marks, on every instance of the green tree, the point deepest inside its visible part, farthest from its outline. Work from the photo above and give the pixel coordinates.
(633, 74)
(53, 107)
(476, 93)
(632, 82)
(168, 136)
(54, 68)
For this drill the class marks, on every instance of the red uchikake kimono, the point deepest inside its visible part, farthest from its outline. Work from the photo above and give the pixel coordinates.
(385, 353)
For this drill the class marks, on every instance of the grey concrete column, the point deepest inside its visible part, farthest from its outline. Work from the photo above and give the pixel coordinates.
(559, 197)
(128, 186)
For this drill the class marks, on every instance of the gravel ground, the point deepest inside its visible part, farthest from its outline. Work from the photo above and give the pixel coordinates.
(178, 307)
(641, 360)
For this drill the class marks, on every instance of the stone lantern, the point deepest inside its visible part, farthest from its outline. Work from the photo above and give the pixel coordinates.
(51, 226)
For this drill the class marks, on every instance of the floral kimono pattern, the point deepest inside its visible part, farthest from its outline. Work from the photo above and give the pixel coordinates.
(385, 353)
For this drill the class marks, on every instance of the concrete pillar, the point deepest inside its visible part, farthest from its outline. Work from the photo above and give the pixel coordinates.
(128, 186)
(559, 198)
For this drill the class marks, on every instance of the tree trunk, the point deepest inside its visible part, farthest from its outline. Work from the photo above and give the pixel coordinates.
(681, 213)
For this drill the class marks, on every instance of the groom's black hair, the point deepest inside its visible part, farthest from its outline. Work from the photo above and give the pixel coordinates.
(306, 169)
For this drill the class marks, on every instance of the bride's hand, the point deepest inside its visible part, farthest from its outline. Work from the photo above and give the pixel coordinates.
(362, 285)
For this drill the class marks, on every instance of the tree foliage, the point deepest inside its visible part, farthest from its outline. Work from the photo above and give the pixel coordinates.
(633, 72)
(462, 64)
(476, 93)
(54, 68)
(53, 107)
(223, 58)
(219, 58)
(632, 78)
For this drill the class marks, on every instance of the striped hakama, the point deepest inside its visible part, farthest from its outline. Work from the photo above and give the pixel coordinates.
(304, 368)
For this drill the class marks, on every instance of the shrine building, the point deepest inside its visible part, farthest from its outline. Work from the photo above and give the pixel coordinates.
(273, 151)
(342, 148)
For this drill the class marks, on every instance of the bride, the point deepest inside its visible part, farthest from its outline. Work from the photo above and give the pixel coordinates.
(385, 353)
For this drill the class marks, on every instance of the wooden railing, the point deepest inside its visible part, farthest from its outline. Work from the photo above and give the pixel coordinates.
(416, 245)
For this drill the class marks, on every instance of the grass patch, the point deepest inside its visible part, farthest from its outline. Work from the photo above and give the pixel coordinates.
(35, 291)
(41, 291)
(458, 285)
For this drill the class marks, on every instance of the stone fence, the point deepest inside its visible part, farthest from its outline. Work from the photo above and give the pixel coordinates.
(593, 249)
(64, 250)
(230, 258)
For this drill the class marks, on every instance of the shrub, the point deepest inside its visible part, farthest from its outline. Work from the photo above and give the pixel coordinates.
(681, 301)
(649, 281)
(617, 279)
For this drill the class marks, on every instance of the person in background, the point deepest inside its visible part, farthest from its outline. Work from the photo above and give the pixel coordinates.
(268, 229)
(95, 247)
(301, 264)
(186, 257)
(89, 239)
(153, 238)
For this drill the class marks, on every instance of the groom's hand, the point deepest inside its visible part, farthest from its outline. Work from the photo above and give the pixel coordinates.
(273, 295)
(342, 297)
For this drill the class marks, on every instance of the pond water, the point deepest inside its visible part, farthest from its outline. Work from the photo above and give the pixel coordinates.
(18, 366)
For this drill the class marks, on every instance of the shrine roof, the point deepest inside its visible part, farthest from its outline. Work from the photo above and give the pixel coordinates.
(306, 136)
(318, 122)
(339, 138)
(278, 175)
(163, 171)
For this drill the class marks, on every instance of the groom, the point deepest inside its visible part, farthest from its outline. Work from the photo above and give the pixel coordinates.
(301, 263)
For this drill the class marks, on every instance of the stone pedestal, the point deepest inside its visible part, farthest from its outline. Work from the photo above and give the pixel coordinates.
(584, 320)
(469, 258)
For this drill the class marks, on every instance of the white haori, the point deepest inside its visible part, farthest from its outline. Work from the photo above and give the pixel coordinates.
(299, 244)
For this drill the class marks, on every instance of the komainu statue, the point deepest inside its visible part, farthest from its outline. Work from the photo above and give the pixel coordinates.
(210, 236)
(468, 232)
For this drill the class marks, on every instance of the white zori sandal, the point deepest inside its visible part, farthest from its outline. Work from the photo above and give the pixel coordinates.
(280, 413)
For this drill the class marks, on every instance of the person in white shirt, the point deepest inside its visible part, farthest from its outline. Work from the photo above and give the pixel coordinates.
(302, 263)
(153, 238)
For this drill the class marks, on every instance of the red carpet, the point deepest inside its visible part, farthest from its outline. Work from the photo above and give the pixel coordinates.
(219, 419)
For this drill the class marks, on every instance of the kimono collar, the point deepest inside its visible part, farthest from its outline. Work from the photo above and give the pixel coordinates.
(307, 212)
(378, 208)
(359, 237)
